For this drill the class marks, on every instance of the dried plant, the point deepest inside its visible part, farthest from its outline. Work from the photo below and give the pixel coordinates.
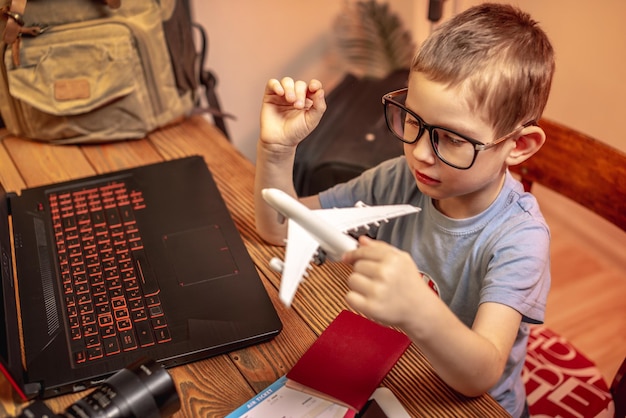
(372, 40)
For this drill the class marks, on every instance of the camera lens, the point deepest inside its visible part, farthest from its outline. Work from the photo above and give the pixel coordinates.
(142, 390)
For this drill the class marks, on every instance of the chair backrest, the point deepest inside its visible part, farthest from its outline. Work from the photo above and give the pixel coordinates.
(591, 173)
(575, 165)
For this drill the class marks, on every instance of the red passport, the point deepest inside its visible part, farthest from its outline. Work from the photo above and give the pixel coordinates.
(348, 361)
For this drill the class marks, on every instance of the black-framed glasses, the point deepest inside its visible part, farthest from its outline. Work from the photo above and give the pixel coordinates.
(454, 149)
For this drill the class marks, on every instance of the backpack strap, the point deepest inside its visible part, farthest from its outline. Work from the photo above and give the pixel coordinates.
(187, 43)
(14, 14)
(209, 82)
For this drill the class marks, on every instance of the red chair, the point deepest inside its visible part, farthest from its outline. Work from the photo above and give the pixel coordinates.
(560, 380)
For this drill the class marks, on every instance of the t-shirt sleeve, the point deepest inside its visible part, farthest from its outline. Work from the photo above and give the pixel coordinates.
(518, 273)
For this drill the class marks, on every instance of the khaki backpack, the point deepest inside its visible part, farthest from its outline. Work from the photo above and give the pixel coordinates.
(76, 71)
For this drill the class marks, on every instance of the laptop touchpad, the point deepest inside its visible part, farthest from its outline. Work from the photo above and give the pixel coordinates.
(199, 255)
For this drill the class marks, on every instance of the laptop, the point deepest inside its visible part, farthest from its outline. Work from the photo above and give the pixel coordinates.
(144, 262)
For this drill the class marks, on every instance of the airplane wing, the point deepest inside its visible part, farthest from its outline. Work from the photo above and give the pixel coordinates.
(301, 247)
(346, 219)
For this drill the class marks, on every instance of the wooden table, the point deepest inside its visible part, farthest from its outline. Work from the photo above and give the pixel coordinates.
(216, 386)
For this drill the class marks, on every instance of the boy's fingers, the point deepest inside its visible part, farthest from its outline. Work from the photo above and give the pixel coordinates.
(303, 95)
(368, 248)
(358, 283)
(314, 85)
(274, 87)
(288, 85)
(352, 257)
(287, 82)
(301, 89)
(365, 240)
(355, 301)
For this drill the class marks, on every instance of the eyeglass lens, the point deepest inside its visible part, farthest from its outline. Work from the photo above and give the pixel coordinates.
(449, 147)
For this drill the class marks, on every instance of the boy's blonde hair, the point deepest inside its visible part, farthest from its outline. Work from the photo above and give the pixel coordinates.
(499, 57)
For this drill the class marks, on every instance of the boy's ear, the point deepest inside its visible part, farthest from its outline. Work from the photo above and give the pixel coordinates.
(529, 141)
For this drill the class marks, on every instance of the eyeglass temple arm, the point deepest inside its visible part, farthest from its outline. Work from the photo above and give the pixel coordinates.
(482, 147)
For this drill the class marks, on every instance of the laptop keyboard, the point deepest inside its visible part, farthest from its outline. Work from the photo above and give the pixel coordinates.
(111, 297)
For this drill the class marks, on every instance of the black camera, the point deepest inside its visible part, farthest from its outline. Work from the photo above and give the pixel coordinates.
(142, 390)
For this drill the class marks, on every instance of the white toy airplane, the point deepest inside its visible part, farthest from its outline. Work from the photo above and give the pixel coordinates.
(325, 228)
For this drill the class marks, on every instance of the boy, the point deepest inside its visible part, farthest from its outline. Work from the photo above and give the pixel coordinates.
(476, 88)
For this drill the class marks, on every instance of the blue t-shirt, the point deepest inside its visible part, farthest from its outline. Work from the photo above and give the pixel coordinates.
(500, 255)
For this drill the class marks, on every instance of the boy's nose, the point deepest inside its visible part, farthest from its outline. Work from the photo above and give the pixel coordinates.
(422, 150)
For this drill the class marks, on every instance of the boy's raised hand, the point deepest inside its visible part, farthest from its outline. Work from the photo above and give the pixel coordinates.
(291, 110)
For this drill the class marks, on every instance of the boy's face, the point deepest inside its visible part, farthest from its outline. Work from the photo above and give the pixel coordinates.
(458, 193)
